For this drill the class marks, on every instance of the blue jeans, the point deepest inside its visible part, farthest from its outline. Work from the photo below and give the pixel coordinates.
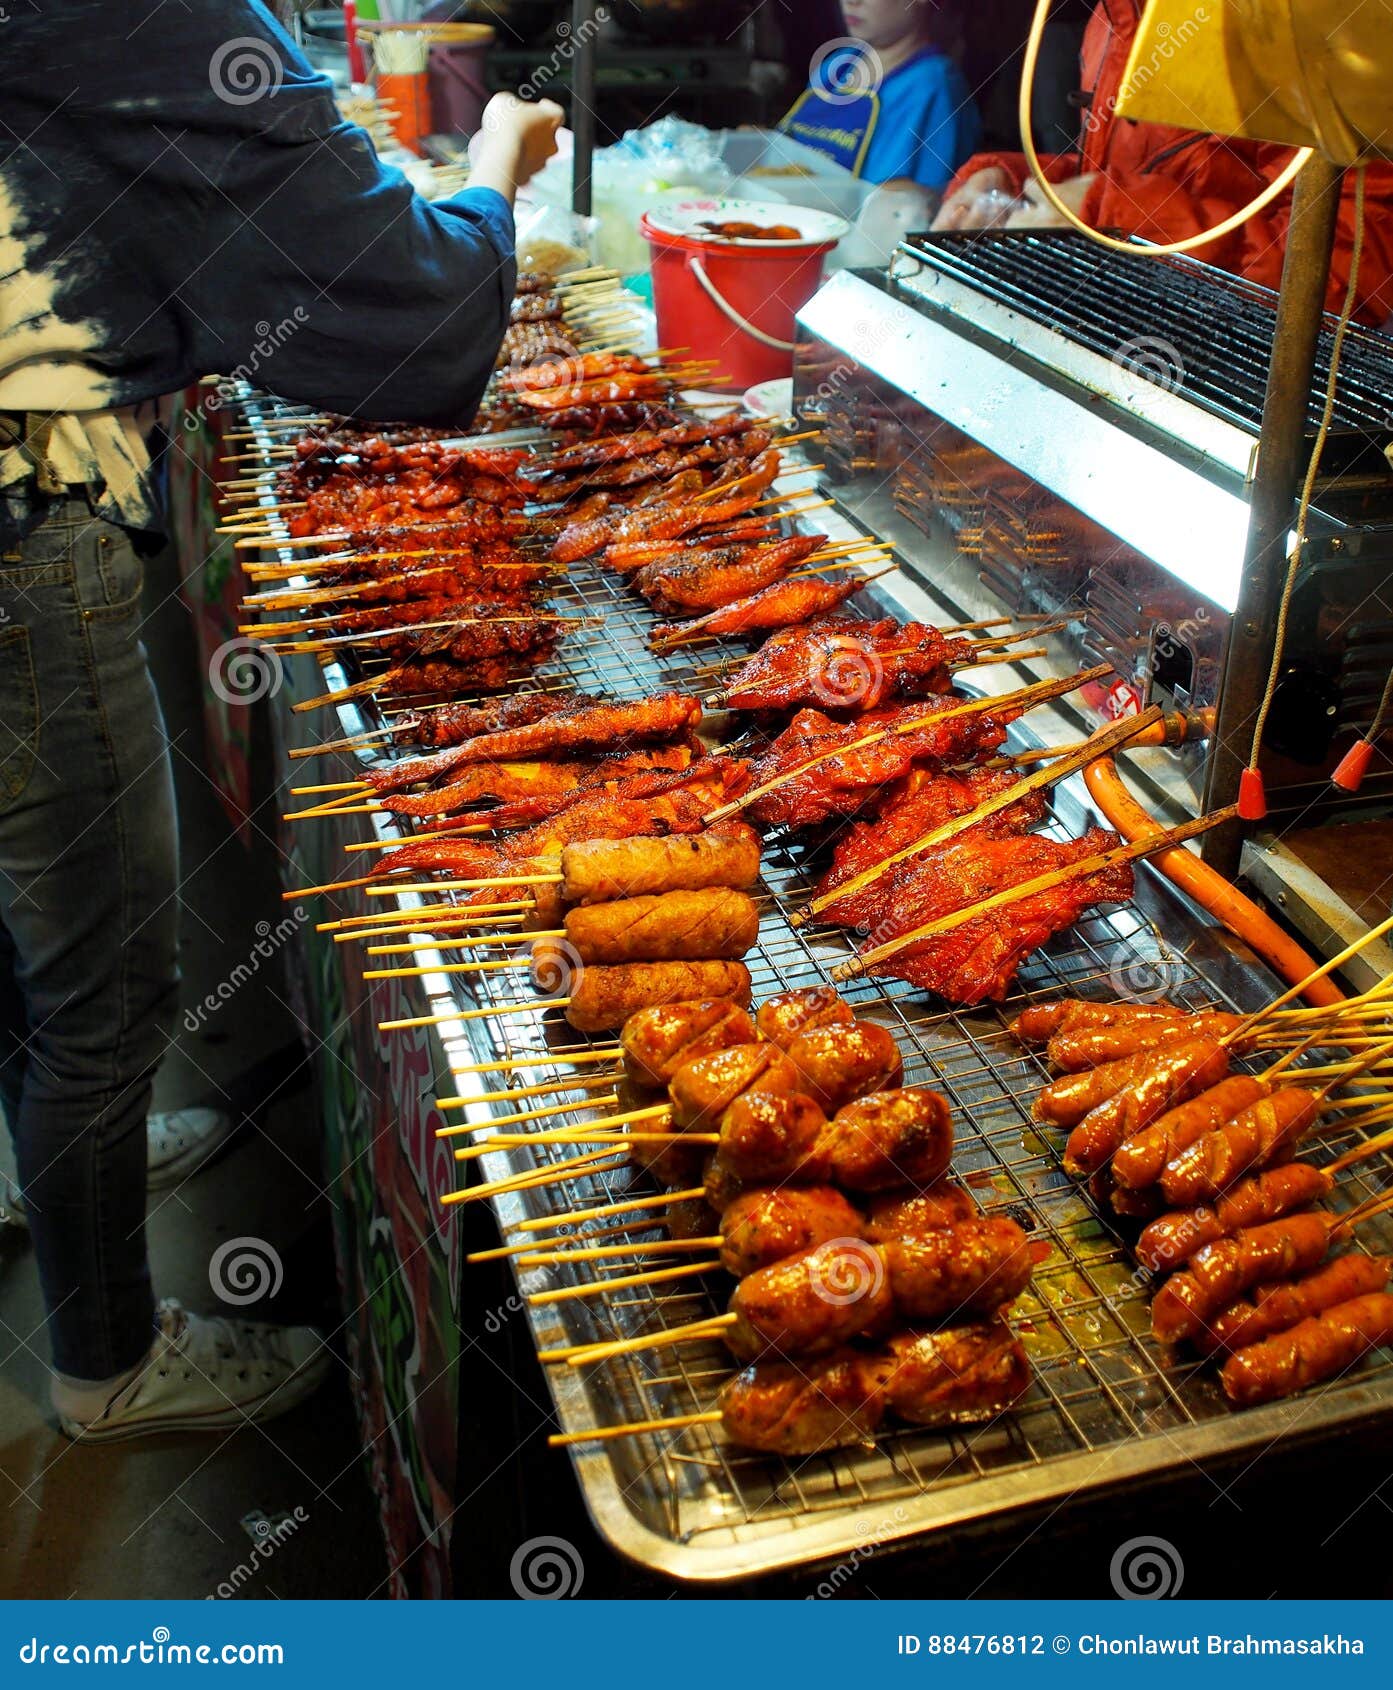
(88, 908)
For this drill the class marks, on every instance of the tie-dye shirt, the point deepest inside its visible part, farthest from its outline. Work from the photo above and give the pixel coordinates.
(178, 198)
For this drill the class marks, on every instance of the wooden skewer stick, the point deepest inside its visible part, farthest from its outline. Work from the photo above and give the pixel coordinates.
(597, 1130)
(1099, 745)
(635, 1428)
(497, 965)
(562, 1083)
(582, 1355)
(578, 1167)
(625, 1282)
(392, 920)
(472, 1014)
(1020, 699)
(512, 1141)
(577, 1217)
(444, 936)
(531, 1059)
(1030, 888)
(611, 1252)
(505, 1252)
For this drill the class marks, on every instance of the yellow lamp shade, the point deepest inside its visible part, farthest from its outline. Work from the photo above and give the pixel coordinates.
(1304, 73)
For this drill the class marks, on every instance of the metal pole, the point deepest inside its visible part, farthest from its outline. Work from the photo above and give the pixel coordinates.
(1280, 466)
(583, 33)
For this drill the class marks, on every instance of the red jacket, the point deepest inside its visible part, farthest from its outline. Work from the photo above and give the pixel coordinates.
(1167, 184)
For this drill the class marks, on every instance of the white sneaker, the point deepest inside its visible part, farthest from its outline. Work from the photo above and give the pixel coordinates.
(208, 1373)
(180, 1141)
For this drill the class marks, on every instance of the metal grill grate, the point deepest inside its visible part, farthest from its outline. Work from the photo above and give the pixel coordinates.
(1104, 1392)
(1212, 331)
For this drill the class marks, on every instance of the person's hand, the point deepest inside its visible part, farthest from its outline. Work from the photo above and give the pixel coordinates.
(961, 209)
(1038, 213)
(515, 139)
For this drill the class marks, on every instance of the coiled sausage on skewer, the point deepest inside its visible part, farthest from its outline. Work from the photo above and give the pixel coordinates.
(717, 925)
(1139, 1162)
(1158, 1081)
(1276, 1308)
(1073, 1051)
(604, 998)
(1171, 1239)
(657, 1041)
(1038, 1024)
(881, 1142)
(1222, 1271)
(1314, 1350)
(1264, 1132)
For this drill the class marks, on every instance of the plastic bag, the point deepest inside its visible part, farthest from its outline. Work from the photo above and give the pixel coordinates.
(553, 240)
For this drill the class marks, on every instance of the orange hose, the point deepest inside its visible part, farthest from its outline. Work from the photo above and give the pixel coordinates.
(1208, 889)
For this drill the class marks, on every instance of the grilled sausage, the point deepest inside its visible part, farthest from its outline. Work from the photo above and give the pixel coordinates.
(693, 1217)
(1263, 1132)
(1276, 1308)
(1039, 1024)
(808, 1304)
(598, 871)
(840, 1063)
(889, 1139)
(1318, 1348)
(1222, 1271)
(951, 1378)
(783, 1017)
(675, 927)
(1073, 1051)
(702, 1091)
(658, 1040)
(764, 1226)
(723, 1185)
(767, 1136)
(1139, 1162)
(1173, 1238)
(799, 1410)
(1159, 1080)
(941, 1204)
(1064, 1102)
(603, 999)
(971, 1269)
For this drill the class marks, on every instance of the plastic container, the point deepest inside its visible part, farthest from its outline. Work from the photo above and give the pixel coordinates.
(409, 100)
(734, 300)
(457, 71)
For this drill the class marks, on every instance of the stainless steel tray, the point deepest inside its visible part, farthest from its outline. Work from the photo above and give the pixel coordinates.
(1108, 1405)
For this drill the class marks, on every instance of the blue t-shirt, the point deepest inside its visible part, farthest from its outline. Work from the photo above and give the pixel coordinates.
(928, 123)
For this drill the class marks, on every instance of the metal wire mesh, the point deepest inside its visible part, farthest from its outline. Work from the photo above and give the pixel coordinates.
(1100, 1381)
(1215, 331)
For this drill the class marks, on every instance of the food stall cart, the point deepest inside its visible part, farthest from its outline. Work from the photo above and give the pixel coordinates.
(952, 470)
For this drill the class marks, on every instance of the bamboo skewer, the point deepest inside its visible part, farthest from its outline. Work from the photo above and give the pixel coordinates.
(1024, 697)
(635, 1428)
(471, 1014)
(578, 1167)
(577, 1217)
(1030, 888)
(581, 1355)
(1099, 745)
(627, 1281)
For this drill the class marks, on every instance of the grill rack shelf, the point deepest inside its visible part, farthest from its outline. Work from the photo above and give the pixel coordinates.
(1107, 1405)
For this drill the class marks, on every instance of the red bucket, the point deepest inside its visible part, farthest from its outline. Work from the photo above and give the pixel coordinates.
(734, 299)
